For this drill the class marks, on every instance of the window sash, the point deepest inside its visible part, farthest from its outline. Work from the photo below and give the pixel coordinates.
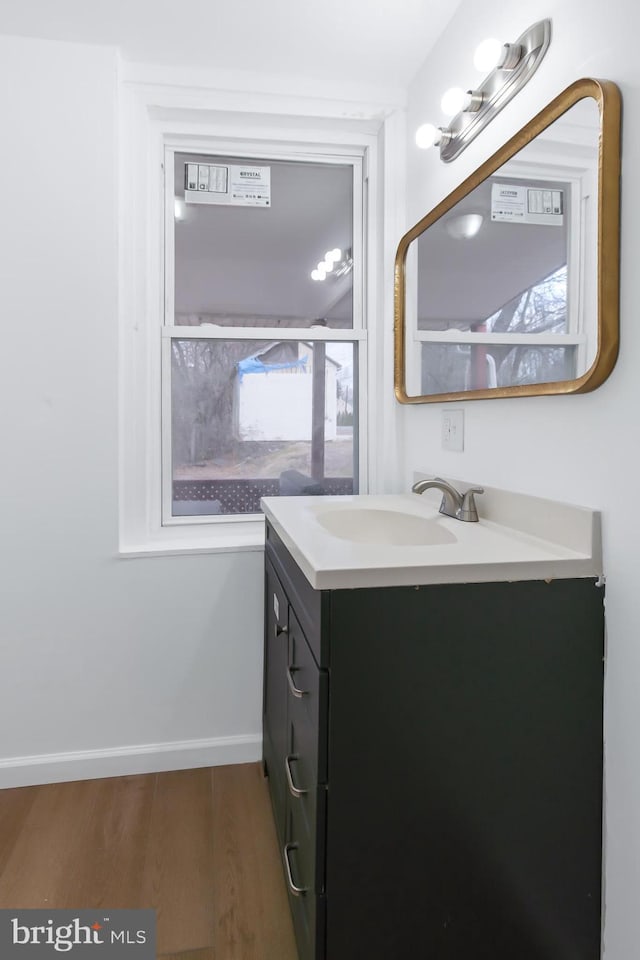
(319, 335)
(268, 152)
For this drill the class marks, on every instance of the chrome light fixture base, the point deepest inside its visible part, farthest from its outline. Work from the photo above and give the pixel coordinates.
(520, 61)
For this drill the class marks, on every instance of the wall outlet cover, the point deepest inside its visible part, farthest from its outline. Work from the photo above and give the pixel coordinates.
(453, 430)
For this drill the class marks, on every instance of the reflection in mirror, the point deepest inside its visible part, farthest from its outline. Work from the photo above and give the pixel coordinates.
(500, 290)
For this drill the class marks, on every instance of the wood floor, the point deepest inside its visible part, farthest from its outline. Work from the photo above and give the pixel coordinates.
(199, 846)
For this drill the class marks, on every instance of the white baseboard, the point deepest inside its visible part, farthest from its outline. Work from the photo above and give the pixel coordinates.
(121, 761)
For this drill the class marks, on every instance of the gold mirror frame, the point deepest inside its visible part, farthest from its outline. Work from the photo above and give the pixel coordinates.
(607, 97)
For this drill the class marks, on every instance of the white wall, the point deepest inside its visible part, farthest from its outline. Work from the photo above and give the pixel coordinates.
(103, 661)
(111, 665)
(583, 449)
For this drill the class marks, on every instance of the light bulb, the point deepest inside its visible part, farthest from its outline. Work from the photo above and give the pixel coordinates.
(317, 275)
(328, 265)
(336, 254)
(427, 136)
(453, 101)
(487, 55)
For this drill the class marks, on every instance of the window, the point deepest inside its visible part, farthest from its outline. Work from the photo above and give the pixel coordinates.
(313, 149)
(264, 348)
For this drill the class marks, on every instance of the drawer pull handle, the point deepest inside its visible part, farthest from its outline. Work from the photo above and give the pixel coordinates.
(293, 790)
(296, 691)
(296, 891)
(278, 630)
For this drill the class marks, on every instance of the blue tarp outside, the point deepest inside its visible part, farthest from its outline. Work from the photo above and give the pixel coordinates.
(255, 365)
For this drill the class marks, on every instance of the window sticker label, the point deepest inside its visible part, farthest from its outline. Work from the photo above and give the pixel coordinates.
(251, 186)
(239, 185)
(513, 203)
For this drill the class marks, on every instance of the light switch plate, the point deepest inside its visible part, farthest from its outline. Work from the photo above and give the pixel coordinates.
(453, 430)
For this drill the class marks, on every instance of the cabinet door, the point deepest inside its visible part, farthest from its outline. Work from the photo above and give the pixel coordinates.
(275, 694)
(465, 772)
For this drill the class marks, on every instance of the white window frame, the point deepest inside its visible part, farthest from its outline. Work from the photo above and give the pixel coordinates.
(153, 114)
(356, 334)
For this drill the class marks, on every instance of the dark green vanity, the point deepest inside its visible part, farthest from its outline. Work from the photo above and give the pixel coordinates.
(434, 756)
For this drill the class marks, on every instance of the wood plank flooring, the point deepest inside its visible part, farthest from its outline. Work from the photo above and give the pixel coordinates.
(198, 846)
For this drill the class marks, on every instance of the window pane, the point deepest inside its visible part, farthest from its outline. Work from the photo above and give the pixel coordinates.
(452, 367)
(255, 418)
(247, 242)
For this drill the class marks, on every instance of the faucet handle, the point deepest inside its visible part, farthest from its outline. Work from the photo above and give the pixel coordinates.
(468, 510)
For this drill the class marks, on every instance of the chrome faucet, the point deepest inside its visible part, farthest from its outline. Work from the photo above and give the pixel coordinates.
(457, 505)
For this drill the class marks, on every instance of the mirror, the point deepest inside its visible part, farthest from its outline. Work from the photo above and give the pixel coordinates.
(509, 287)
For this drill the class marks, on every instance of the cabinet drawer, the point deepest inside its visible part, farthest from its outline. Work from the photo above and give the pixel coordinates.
(307, 691)
(306, 828)
(307, 905)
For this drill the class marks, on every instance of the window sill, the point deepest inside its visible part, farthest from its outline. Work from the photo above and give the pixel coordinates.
(187, 540)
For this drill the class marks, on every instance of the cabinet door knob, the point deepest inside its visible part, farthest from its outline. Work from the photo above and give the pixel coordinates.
(296, 691)
(293, 790)
(280, 629)
(295, 890)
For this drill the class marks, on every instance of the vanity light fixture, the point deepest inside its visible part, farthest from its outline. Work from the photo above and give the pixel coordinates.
(511, 66)
(336, 262)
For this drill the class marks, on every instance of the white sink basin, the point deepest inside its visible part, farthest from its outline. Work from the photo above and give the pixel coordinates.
(391, 527)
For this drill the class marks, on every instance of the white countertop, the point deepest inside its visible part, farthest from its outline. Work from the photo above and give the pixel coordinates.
(489, 550)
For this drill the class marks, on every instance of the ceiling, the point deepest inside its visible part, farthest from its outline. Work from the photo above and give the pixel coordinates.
(363, 41)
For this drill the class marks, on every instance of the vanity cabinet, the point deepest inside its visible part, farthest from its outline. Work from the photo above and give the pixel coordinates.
(434, 756)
